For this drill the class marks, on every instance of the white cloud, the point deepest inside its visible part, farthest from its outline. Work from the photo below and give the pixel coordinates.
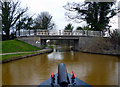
(55, 8)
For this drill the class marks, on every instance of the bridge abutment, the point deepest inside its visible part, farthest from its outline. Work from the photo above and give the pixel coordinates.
(35, 41)
(76, 45)
(79, 42)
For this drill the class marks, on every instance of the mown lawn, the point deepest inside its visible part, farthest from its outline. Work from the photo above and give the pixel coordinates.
(15, 45)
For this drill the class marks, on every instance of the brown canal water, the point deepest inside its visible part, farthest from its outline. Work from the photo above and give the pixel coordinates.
(92, 68)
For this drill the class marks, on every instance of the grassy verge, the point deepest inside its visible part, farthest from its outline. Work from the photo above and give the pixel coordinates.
(15, 45)
(51, 46)
(5, 57)
(11, 57)
(48, 46)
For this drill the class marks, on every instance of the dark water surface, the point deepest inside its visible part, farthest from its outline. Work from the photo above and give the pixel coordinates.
(92, 68)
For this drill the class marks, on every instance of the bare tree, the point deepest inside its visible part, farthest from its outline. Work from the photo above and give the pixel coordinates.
(96, 14)
(11, 12)
(44, 21)
(25, 22)
(115, 37)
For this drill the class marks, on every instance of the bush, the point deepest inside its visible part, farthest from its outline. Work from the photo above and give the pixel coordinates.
(115, 37)
(45, 46)
(51, 46)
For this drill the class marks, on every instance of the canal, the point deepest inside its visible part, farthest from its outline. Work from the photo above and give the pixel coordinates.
(92, 68)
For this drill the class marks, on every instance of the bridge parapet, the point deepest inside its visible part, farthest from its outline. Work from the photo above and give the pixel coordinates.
(88, 33)
(67, 32)
(42, 32)
(64, 33)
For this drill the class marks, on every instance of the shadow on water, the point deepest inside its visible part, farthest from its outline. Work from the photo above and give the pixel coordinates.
(92, 68)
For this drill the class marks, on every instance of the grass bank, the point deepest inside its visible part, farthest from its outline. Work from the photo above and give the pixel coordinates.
(15, 45)
(12, 57)
(11, 50)
(5, 57)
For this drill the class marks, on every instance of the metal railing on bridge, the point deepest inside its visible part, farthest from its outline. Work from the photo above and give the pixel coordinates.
(60, 32)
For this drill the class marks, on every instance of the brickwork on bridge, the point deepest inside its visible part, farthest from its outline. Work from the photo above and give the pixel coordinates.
(79, 42)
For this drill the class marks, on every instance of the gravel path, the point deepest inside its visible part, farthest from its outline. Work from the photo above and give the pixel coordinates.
(23, 52)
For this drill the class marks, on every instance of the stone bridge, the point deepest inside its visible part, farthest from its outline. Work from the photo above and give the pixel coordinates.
(81, 38)
(39, 41)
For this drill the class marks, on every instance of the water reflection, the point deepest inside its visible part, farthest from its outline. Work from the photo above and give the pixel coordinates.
(91, 68)
(55, 55)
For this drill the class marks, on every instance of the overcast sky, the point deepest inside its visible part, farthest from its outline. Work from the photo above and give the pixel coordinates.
(55, 8)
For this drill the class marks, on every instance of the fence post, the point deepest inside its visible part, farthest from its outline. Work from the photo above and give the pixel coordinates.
(99, 33)
(35, 32)
(59, 32)
(82, 32)
(22, 32)
(29, 32)
(71, 32)
(87, 33)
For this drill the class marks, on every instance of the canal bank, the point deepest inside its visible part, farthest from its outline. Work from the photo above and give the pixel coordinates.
(103, 52)
(16, 49)
(21, 55)
(97, 45)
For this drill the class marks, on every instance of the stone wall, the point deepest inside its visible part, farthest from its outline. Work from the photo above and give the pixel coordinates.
(79, 44)
(85, 44)
(35, 41)
(85, 41)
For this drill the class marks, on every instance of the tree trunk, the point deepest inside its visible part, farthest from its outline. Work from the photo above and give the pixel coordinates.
(7, 34)
(19, 32)
(29, 32)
